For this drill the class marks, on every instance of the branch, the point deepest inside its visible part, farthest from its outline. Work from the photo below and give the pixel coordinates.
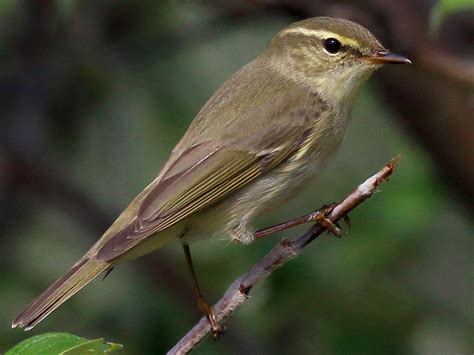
(451, 66)
(237, 293)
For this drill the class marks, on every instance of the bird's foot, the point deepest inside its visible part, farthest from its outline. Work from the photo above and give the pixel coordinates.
(334, 228)
(216, 328)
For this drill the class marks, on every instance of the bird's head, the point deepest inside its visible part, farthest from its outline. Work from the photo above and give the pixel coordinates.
(329, 55)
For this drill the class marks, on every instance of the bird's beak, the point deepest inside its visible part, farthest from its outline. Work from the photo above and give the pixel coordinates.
(385, 57)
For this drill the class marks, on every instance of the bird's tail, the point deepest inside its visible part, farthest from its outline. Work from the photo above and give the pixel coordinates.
(84, 271)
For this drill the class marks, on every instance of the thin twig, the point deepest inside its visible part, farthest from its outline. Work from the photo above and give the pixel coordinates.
(237, 293)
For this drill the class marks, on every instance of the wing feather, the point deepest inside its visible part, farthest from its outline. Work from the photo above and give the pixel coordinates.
(210, 172)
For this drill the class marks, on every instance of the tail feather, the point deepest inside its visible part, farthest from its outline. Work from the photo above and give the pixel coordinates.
(59, 292)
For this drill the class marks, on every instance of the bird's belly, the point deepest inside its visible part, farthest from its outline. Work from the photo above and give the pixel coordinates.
(278, 186)
(234, 215)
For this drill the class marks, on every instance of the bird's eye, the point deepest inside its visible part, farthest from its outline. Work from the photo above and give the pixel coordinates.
(332, 45)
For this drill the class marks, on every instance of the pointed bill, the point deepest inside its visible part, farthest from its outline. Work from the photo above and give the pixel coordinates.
(386, 57)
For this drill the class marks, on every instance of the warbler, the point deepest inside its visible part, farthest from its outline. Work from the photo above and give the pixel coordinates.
(267, 132)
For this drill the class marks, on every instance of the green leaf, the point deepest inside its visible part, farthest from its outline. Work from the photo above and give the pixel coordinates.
(444, 8)
(97, 346)
(62, 343)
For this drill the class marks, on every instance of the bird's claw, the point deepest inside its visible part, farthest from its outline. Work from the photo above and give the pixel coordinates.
(211, 316)
(347, 220)
(321, 218)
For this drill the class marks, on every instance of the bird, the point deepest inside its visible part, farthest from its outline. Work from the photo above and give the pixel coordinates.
(265, 134)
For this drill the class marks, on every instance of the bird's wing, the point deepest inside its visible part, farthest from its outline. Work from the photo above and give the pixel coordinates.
(201, 176)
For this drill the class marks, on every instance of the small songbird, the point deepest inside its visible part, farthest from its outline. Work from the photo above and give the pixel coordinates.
(268, 131)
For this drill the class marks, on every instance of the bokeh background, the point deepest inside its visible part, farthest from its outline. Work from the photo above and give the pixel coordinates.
(94, 94)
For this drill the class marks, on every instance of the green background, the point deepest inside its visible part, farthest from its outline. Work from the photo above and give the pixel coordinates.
(99, 109)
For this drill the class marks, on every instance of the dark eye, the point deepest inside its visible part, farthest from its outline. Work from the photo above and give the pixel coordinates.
(332, 45)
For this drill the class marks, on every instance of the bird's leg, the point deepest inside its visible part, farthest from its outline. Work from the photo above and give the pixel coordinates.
(319, 216)
(203, 306)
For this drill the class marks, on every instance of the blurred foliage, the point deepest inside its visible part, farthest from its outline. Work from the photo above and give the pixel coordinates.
(98, 94)
(446, 7)
(63, 344)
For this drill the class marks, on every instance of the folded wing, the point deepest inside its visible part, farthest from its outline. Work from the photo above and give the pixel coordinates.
(200, 177)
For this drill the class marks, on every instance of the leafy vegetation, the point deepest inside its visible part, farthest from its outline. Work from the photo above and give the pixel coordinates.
(62, 344)
(446, 7)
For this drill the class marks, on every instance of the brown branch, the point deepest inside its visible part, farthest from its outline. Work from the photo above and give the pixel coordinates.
(450, 66)
(237, 293)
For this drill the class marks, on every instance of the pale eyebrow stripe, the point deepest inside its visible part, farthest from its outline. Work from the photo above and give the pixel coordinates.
(322, 34)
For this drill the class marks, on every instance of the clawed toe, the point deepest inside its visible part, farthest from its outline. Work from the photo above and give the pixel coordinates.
(216, 328)
(332, 227)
